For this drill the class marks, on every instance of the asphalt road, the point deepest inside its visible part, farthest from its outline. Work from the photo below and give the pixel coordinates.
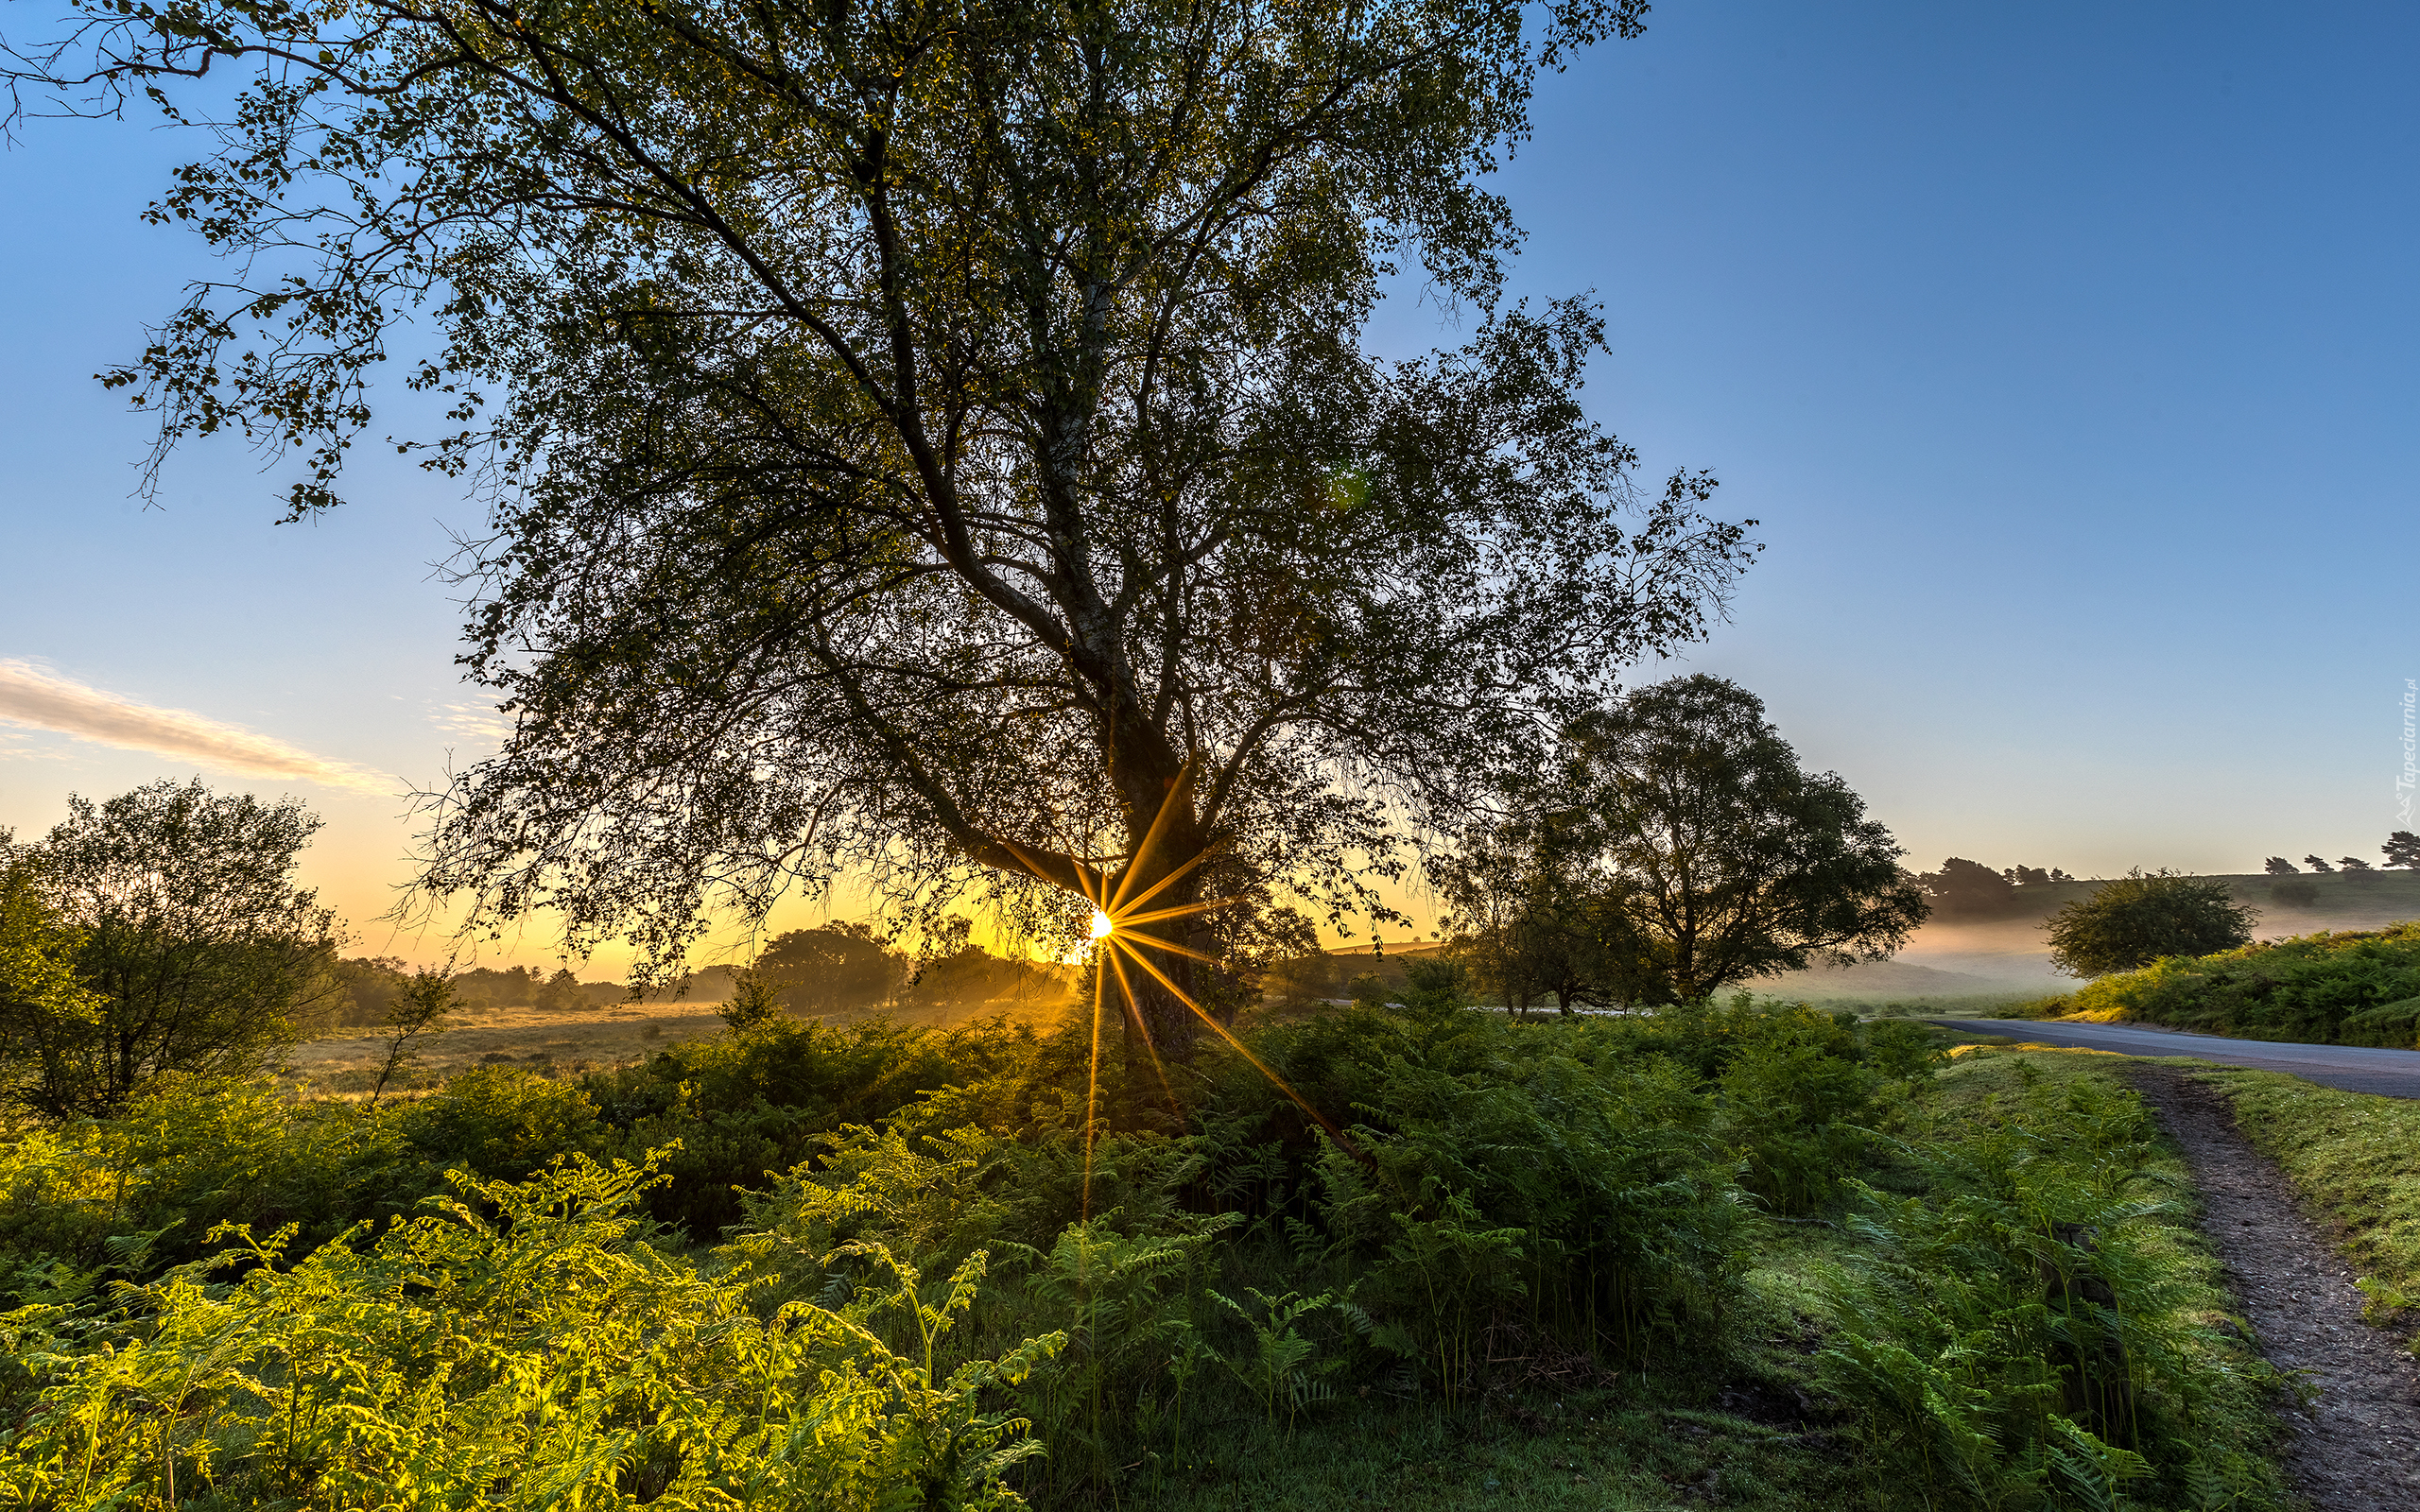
(2353, 1067)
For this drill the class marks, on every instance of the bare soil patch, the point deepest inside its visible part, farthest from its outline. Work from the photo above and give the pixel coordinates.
(2353, 1449)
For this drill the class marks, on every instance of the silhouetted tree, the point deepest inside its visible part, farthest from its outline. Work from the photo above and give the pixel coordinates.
(1531, 917)
(2280, 867)
(2317, 864)
(1965, 889)
(2402, 849)
(934, 442)
(1724, 860)
(836, 968)
(2352, 863)
(561, 993)
(2138, 920)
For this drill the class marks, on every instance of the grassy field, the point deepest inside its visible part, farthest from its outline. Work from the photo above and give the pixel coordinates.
(562, 1042)
(568, 1042)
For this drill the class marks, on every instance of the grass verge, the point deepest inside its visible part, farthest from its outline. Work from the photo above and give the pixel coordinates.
(2349, 1155)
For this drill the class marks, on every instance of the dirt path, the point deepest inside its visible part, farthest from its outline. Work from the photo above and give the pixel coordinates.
(2354, 1448)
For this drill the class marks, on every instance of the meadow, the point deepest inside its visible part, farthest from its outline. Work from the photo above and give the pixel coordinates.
(1731, 1255)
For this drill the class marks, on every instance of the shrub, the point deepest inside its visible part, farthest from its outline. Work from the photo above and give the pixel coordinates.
(2139, 918)
(501, 1121)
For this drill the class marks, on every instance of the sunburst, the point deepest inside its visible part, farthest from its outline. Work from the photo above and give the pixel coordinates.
(1119, 939)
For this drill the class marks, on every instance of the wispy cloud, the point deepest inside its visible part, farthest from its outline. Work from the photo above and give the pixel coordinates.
(43, 699)
(475, 721)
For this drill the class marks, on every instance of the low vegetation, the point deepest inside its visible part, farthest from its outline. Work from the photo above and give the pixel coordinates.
(2357, 988)
(1767, 1254)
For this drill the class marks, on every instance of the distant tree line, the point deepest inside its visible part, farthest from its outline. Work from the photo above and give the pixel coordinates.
(1968, 889)
(2402, 849)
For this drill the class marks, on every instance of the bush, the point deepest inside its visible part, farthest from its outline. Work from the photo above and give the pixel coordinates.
(1511, 1203)
(2138, 920)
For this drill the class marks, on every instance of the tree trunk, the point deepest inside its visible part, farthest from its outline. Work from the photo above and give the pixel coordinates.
(1172, 1029)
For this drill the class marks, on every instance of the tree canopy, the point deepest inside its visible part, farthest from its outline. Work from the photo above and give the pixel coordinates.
(934, 437)
(197, 950)
(1677, 848)
(2140, 918)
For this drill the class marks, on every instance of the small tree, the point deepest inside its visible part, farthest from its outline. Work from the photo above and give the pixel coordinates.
(2352, 863)
(2280, 867)
(413, 1017)
(2402, 849)
(2317, 864)
(205, 954)
(2139, 918)
(561, 993)
(756, 1000)
(1724, 859)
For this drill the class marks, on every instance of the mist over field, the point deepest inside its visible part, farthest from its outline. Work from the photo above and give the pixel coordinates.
(1958, 957)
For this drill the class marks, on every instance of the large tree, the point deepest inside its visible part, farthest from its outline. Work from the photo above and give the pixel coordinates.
(1730, 860)
(198, 951)
(933, 435)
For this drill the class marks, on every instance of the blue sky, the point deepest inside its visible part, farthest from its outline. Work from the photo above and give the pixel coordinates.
(2066, 353)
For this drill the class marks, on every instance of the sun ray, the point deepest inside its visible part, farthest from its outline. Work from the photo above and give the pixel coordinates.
(1179, 912)
(1275, 1080)
(1151, 837)
(1092, 1094)
(1161, 885)
(1134, 1012)
(1157, 943)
